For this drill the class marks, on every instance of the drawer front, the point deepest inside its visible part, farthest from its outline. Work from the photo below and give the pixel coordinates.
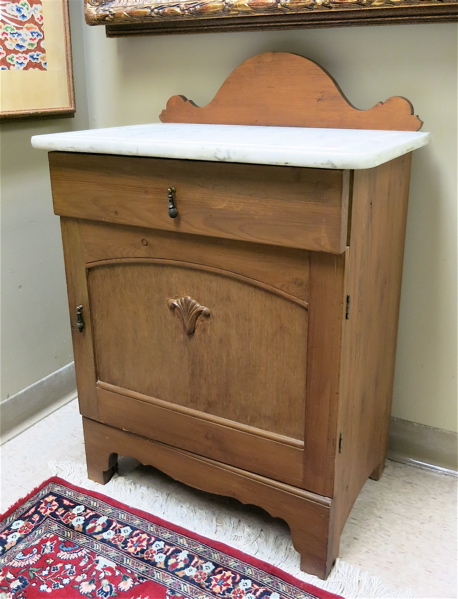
(283, 206)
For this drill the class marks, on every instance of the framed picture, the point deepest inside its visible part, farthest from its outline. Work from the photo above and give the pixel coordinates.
(35, 59)
(138, 17)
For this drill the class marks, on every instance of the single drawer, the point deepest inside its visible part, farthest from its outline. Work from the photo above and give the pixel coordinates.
(277, 205)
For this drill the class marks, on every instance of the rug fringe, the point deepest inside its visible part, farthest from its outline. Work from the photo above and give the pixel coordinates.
(199, 513)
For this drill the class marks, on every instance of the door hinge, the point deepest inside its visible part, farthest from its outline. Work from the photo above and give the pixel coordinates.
(347, 308)
(340, 443)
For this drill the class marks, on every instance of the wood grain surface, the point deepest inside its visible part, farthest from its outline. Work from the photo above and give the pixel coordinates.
(326, 315)
(77, 291)
(276, 456)
(236, 365)
(306, 97)
(285, 269)
(285, 206)
(307, 514)
(373, 281)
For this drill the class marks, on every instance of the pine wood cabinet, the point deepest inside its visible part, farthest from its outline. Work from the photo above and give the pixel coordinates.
(245, 347)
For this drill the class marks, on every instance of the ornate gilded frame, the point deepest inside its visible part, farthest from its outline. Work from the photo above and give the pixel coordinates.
(138, 17)
(36, 77)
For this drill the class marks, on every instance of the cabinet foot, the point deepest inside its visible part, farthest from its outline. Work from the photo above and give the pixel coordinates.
(321, 570)
(98, 475)
(318, 565)
(101, 462)
(377, 472)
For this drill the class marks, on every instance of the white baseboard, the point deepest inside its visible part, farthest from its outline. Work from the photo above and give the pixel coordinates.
(424, 446)
(22, 410)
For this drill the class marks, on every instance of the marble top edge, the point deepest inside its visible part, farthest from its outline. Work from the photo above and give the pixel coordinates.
(153, 128)
(294, 146)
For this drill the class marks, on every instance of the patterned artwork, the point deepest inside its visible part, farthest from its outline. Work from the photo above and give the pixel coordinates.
(22, 43)
(64, 543)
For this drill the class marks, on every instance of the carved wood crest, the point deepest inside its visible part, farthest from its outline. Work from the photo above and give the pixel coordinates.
(307, 96)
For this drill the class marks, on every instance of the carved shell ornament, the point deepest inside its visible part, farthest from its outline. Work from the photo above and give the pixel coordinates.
(189, 311)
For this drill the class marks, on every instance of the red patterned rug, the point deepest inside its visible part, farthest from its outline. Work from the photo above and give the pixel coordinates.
(65, 542)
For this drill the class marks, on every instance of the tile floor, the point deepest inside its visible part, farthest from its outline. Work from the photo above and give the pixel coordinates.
(402, 528)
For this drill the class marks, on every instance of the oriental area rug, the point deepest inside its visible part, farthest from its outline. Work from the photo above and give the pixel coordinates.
(63, 542)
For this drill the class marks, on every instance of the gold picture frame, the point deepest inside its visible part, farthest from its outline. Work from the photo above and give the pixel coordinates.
(36, 77)
(139, 17)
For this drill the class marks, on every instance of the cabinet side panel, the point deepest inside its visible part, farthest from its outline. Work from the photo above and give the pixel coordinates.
(78, 296)
(373, 284)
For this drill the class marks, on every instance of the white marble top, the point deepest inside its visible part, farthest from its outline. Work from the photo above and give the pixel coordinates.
(293, 146)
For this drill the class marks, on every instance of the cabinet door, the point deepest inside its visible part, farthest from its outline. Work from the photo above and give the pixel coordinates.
(203, 344)
(200, 343)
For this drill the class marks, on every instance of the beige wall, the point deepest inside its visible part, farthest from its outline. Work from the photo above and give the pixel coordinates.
(35, 334)
(129, 81)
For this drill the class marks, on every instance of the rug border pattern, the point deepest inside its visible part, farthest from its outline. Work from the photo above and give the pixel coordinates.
(266, 575)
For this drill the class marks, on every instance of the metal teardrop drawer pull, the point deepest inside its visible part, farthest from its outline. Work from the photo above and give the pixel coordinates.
(173, 211)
